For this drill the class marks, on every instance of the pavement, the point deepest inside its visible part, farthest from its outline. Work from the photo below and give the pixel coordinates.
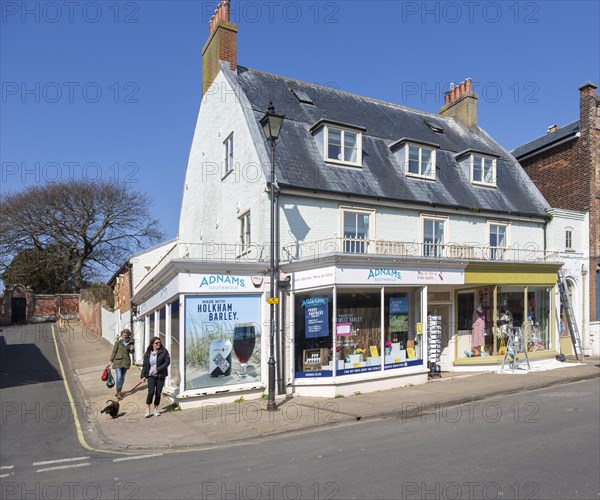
(84, 356)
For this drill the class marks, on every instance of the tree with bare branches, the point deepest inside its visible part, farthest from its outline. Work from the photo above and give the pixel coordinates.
(89, 227)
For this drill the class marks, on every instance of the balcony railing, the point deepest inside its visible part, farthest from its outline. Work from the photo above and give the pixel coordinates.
(328, 248)
(414, 250)
(332, 247)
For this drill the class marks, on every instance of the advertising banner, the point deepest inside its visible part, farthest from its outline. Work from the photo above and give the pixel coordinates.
(316, 314)
(222, 340)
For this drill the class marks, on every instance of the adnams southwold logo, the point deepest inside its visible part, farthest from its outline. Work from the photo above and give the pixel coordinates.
(224, 281)
(384, 274)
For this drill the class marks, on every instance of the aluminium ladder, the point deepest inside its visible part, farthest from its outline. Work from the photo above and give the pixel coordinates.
(570, 316)
(516, 344)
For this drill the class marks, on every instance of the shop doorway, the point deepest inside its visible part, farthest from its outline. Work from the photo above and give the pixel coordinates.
(19, 311)
(444, 311)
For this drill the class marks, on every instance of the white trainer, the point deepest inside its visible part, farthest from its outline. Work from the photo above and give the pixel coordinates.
(147, 414)
(156, 413)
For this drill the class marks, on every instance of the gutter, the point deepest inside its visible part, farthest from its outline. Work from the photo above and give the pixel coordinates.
(548, 146)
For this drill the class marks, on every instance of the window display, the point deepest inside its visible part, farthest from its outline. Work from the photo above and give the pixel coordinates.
(222, 340)
(360, 345)
(403, 343)
(313, 319)
(358, 331)
(478, 336)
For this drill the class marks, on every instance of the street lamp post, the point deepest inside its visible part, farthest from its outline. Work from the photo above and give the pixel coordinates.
(271, 125)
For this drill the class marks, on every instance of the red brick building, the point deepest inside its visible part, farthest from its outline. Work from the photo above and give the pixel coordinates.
(564, 164)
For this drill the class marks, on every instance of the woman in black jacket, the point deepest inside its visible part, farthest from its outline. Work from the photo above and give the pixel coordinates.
(154, 370)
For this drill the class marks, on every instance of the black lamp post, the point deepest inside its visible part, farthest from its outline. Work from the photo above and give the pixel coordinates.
(271, 125)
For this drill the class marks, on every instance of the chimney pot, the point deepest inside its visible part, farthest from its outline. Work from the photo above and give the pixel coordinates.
(460, 102)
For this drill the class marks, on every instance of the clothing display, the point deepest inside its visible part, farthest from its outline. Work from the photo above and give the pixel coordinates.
(478, 327)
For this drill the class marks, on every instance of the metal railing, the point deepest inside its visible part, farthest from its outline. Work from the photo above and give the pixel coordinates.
(414, 250)
(330, 247)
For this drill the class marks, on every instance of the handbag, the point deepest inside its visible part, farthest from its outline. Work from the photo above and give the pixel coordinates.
(110, 382)
(105, 373)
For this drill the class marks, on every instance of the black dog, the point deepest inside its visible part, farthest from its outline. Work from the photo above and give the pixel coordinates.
(112, 409)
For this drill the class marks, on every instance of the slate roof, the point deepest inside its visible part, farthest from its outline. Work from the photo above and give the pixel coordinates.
(299, 163)
(546, 140)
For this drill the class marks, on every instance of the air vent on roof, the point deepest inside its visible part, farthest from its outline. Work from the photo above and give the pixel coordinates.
(302, 96)
(434, 127)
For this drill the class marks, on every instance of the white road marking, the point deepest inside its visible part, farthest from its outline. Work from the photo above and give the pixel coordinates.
(63, 467)
(4, 475)
(47, 462)
(2, 467)
(137, 457)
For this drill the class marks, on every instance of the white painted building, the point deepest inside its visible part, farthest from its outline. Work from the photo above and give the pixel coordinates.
(402, 234)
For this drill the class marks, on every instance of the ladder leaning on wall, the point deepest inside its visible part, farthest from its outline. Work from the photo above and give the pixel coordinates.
(570, 316)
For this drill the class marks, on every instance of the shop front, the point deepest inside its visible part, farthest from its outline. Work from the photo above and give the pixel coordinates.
(359, 328)
(505, 301)
(213, 327)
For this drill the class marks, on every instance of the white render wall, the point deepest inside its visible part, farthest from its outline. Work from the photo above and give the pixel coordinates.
(575, 261)
(212, 203)
(305, 219)
(142, 263)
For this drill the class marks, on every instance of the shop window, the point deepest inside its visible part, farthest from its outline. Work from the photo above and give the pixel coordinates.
(356, 231)
(433, 237)
(151, 325)
(358, 331)
(404, 330)
(222, 340)
(174, 351)
(537, 331)
(162, 325)
(498, 244)
(313, 339)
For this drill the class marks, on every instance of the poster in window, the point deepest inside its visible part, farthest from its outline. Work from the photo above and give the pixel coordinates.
(316, 314)
(222, 340)
(399, 313)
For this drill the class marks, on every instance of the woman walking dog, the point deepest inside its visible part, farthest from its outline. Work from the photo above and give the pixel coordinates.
(156, 362)
(120, 359)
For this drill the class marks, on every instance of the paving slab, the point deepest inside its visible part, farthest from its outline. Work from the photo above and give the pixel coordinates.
(211, 425)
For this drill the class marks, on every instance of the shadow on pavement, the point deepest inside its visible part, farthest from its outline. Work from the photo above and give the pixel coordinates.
(24, 364)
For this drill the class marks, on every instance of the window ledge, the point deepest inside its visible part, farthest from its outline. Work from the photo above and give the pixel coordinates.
(421, 177)
(497, 360)
(484, 184)
(343, 163)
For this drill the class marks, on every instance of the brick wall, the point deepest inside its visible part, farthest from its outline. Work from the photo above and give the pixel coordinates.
(568, 176)
(39, 308)
(122, 291)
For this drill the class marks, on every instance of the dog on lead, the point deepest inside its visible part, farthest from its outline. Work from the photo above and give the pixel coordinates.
(112, 409)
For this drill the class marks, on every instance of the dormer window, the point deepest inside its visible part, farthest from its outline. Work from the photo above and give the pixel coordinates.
(420, 161)
(416, 158)
(483, 170)
(343, 145)
(339, 142)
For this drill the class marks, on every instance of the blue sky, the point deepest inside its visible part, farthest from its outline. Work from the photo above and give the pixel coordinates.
(111, 89)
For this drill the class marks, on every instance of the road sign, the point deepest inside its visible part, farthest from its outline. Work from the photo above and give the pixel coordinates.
(272, 300)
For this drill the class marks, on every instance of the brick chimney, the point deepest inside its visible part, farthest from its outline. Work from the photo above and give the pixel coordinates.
(460, 102)
(221, 45)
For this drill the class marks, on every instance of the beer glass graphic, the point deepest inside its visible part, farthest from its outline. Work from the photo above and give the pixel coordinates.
(244, 337)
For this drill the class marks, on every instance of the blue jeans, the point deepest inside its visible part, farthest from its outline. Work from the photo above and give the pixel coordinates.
(120, 372)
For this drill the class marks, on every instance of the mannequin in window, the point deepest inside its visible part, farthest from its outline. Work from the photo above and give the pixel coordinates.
(478, 338)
